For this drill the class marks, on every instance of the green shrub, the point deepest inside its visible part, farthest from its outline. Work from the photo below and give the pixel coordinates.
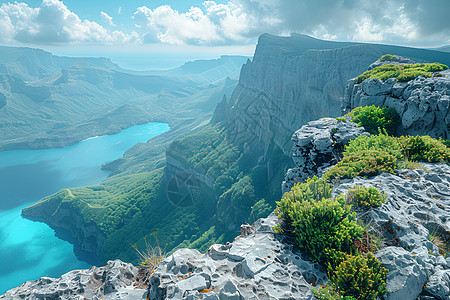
(424, 148)
(374, 118)
(403, 73)
(322, 225)
(319, 223)
(362, 196)
(358, 276)
(314, 189)
(389, 57)
(362, 163)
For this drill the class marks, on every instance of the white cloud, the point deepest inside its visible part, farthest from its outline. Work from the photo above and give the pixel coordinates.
(52, 22)
(107, 18)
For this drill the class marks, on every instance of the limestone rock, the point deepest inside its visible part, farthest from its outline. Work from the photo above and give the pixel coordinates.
(423, 103)
(258, 266)
(116, 280)
(438, 285)
(318, 145)
(417, 205)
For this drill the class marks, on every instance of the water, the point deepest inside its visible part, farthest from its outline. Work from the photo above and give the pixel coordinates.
(29, 250)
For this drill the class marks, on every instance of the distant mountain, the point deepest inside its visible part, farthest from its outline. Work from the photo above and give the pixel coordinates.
(443, 48)
(51, 101)
(32, 63)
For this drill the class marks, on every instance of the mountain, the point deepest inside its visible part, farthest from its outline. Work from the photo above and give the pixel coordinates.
(48, 101)
(229, 171)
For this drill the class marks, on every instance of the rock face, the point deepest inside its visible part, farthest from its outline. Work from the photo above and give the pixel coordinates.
(116, 280)
(317, 146)
(59, 214)
(417, 206)
(257, 265)
(423, 103)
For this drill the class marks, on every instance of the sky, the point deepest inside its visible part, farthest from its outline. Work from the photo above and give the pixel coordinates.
(205, 28)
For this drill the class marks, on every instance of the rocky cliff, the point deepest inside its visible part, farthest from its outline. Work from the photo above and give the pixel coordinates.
(423, 103)
(261, 264)
(294, 80)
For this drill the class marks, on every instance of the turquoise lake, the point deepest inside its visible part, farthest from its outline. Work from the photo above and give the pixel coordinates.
(29, 250)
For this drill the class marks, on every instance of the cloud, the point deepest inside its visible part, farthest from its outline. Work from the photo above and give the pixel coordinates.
(242, 21)
(53, 23)
(107, 18)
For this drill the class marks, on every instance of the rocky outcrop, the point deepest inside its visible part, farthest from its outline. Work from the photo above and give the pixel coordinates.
(423, 103)
(318, 146)
(257, 265)
(417, 206)
(116, 280)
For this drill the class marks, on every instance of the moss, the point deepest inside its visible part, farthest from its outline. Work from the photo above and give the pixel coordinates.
(402, 73)
(389, 57)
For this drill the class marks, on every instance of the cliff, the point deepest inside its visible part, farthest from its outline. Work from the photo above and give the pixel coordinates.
(263, 264)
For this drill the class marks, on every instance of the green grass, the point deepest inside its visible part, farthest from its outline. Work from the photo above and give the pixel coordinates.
(402, 73)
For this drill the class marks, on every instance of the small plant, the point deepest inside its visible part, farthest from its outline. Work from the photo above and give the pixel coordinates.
(374, 118)
(340, 119)
(328, 292)
(358, 276)
(362, 196)
(151, 256)
(440, 241)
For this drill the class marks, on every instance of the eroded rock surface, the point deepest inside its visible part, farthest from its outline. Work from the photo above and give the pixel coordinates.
(423, 103)
(116, 280)
(259, 266)
(317, 146)
(418, 204)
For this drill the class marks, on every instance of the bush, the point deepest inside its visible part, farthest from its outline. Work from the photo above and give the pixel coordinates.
(368, 156)
(389, 57)
(362, 163)
(313, 189)
(319, 223)
(322, 225)
(362, 196)
(357, 276)
(374, 118)
(424, 148)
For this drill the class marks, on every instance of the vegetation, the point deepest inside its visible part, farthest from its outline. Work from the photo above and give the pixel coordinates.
(364, 197)
(358, 276)
(151, 256)
(368, 156)
(374, 118)
(389, 57)
(402, 73)
(327, 230)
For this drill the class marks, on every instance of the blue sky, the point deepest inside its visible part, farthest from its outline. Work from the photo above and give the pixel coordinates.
(211, 27)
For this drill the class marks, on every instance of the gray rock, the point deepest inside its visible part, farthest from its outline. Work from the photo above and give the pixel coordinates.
(116, 280)
(318, 145)
(258, 266)
(438, 285)
(422, 103)
(406, 276)
(417, 205)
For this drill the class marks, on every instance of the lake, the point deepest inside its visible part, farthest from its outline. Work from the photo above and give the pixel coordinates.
(29, 250)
